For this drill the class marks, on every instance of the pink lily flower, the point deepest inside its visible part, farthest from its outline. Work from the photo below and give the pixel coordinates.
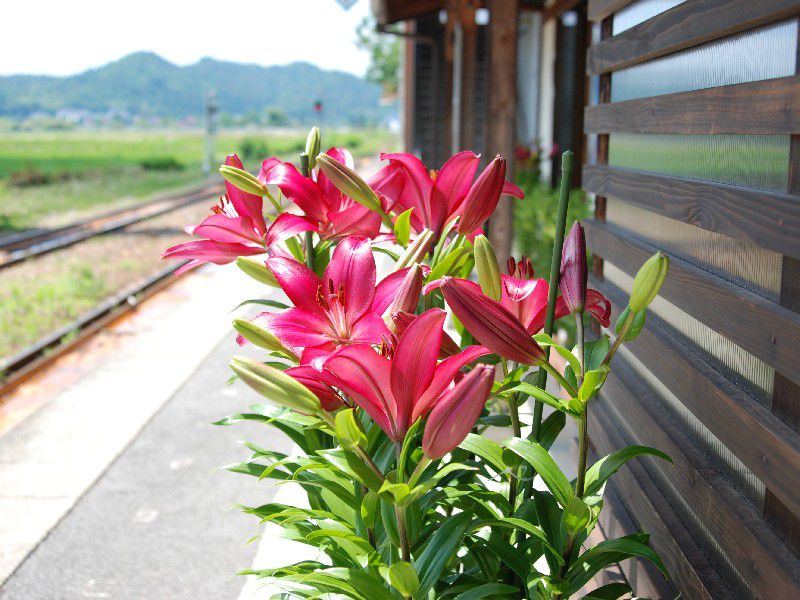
(456, 413)
(310, 377)
(344, 307)
(330, 212)
(574, 273)
(237, 228)
(396, 391)
(437, 198)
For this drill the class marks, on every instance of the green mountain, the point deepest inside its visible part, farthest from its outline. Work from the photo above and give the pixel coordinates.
(144, 84)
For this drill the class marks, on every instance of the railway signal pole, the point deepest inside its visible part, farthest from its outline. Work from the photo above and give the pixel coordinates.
(210, 109)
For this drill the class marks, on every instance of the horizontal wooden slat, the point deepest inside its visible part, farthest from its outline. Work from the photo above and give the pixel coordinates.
(764, 443)
(763, 328)
(689, 568)
(600, 9)
(768, 220)
(764, 107)
(751, 546)
(683, 26)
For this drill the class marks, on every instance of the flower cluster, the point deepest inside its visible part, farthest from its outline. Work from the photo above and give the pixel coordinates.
(390, 362)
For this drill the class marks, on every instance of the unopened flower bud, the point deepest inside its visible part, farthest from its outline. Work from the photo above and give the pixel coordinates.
(349, 182)
(483, 196)
(416, 250)
(574, 273)
(275, 385)
(242, 180)
(312, 146)
(636, 326)
(257, 270)
(407, 295)
(260, 337)
(648, 281)
(487, 268)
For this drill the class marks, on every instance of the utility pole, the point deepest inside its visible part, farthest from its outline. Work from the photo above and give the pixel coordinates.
(210, 109)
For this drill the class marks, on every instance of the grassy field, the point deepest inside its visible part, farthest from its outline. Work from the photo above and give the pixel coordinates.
(95, 171)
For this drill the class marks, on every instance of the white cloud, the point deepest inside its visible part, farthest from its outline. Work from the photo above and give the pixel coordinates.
(58, 37)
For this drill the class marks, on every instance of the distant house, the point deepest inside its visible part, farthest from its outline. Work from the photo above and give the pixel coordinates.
(685, 116)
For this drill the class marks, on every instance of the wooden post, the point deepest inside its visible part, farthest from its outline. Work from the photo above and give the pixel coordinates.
(501, 128)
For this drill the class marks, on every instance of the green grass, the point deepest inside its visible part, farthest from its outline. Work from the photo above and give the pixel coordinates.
(104, 168)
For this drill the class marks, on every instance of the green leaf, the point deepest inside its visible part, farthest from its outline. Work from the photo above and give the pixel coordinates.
(551, 427)
(545, 340)
(545, 466)
(487, 449)
(608, 553)
(352, 465)
(440, 548)
(543, 396)
(486, 590)
(394, 255)
(263, 302)
(611, 591)
(604, 468)
(592, 382)
(576, 517)
(395, 492)
(348, 431)
(370, 505)
(515, 523)
(595, 351)
(403, 578)
(447, 264)
(402, 227)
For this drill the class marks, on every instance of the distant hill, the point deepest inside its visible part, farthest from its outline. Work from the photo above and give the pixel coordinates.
(144, 84)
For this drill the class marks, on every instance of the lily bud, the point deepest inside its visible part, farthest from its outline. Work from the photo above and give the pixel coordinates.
(275, 385)
(257, 270)
(490, 323)
(574, 274)
(407, 295)
(349, 182)
(483, 196)
(260, 337)
(648, 281)
(416, 250)
(243, 180)
(636, 325)
(456, 412)
(487, 267)
(312, 146)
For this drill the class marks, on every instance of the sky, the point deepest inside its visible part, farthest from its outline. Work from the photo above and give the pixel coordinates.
(63, 37)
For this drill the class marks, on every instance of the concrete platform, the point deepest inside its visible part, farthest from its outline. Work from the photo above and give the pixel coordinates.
(110, 487)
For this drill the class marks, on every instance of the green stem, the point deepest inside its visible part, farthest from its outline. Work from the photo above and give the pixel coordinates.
(400, 514)
(583, 424)
(619, 339)
(305, 171)
(559, 379)
(555, 275)
(418, 470)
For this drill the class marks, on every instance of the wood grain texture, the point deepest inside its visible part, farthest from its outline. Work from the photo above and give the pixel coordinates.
(767, 219)
(765, 444)
(683, 26)
(600, 9)
(689, 568)
(752, 547)
(763, 328)
(759, 107)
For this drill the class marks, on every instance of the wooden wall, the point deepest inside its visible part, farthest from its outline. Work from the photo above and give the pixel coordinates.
(697, 134)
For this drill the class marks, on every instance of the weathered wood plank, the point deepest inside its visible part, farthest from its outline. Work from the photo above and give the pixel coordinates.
(764, 107)
(752, 547)
(683, 26)
(765, 444)
(689, 568)
(763, 328)
(767, 219)
(600, 9)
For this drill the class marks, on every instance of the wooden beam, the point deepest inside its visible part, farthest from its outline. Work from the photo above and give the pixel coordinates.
(765, 444)
(769, 107)
(503, 110)
(687, 24)
(393, 11)
(600, 9)
(763, 328)
(767, 219)
(688, 566)
(762, 559)
(558, 7)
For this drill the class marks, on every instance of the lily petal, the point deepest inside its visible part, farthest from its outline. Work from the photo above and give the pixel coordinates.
(352, 268)
(227, 230)
(309, 377)
(211, 251)
(301, 190)
(414, 362)
(245, 203)
(298, 282)
(287, 225)
(296, 328)
(454, 180)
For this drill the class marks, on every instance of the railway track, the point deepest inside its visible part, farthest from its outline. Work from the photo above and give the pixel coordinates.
(16, 248)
